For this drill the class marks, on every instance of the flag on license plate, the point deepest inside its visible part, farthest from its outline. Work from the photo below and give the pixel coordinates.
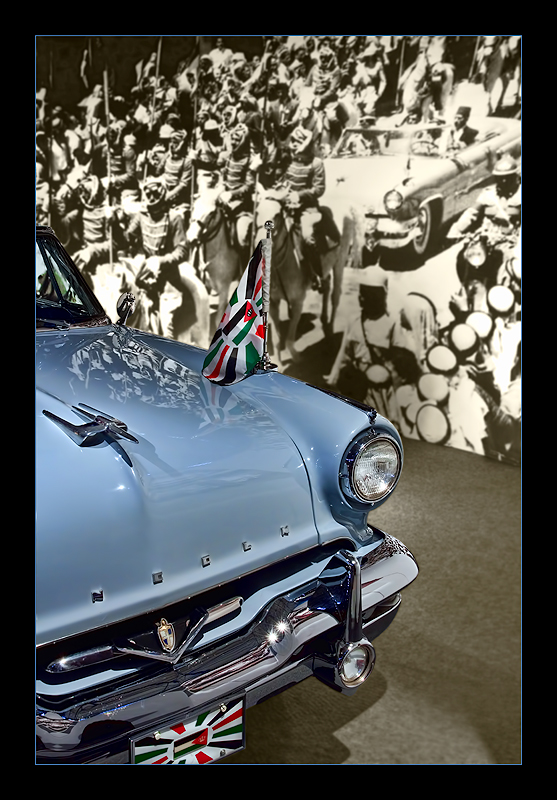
(238, 343)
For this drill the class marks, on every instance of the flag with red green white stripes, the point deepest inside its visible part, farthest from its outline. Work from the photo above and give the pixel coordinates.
(238, 343)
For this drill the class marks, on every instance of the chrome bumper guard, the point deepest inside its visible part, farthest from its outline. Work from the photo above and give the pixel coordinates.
(306, 632)
(394, 234)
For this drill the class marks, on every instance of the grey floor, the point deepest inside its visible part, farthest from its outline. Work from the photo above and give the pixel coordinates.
(446, 688)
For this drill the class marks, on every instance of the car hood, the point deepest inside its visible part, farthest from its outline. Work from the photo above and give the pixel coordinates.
(213, 488)
(366, 180)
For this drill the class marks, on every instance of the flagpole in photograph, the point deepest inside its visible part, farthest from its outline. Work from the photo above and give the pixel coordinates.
(267, 246)
(108, 199)
(193, 142)
(154, 99)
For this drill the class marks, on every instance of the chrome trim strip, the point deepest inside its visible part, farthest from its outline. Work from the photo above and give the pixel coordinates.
(96, 655)
(86, 658)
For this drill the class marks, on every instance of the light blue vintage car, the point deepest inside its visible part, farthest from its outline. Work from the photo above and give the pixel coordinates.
(198, 547)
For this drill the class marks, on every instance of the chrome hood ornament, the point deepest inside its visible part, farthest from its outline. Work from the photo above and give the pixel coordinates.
(93, 432)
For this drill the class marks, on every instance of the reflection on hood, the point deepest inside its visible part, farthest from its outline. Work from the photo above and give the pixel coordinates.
(120, 367)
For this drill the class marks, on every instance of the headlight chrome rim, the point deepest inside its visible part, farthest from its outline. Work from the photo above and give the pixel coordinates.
(393, 201)
(347, 655)
(356, 450)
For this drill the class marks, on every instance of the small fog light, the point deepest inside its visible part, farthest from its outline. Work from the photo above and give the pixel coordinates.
(357, 661)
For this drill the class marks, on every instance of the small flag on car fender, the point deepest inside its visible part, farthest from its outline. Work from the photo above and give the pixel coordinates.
(239, 341)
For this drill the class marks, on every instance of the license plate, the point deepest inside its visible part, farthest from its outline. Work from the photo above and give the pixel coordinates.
(202, 740)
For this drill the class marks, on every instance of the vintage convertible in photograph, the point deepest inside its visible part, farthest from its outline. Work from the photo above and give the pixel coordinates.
(409, 181)
(199, 547)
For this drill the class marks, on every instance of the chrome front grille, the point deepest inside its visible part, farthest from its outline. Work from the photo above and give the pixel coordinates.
(139, 646)
(113, 654)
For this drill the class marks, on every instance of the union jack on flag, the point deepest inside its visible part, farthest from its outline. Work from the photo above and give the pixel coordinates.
(239, 340)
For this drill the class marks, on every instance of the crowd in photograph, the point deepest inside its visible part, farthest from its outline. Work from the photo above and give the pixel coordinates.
(119, 173)
(318, 84)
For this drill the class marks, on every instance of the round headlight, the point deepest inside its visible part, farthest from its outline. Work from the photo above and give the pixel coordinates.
(393, 200)
(373, 469)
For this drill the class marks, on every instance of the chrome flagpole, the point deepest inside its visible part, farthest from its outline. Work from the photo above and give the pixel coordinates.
(267, 247)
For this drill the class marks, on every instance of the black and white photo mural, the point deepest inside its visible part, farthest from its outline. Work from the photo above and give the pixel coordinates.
(389, 166)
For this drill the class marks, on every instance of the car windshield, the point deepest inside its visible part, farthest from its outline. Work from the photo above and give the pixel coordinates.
(62, 296)
(408, 140)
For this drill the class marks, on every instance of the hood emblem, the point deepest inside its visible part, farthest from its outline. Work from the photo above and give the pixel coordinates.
(92, 432)
(165, 631)
(167, 635)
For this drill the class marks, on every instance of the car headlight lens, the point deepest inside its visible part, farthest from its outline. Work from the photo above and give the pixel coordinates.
(475, 254)
(393, 201)
(357, 662)
(372, 469)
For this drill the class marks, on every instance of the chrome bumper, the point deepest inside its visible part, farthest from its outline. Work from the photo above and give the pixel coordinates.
(393, 234)
(302, 633)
